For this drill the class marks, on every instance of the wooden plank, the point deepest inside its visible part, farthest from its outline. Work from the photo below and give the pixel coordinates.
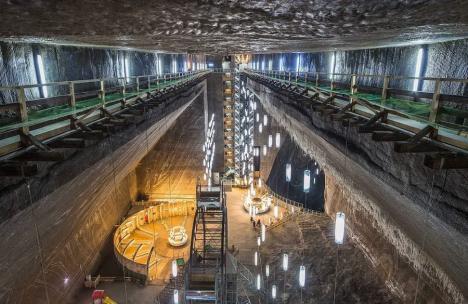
(371, 129)
(446, 161)
(388, 136)
(17, 169)
(422, 147)
(48, 156)
(73, 143)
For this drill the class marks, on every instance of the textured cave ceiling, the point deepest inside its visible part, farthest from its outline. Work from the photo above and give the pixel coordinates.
(234, 26)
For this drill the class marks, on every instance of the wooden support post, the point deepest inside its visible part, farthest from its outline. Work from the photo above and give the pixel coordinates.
(317, 79)
(385, 90)
(435, 105)
(23, 111)
(103, 93)
(149, 83)
(138, 83)
(289, 77)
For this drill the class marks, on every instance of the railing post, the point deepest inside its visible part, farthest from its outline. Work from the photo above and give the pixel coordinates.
(23, 111)
(435, 105)
(353, 87)
(305, 79)
(103, 93)
(72, 95)
(149, 82)
(124, 90)
(138, 83)
(289, 77)
(316, 79)
(386, 81)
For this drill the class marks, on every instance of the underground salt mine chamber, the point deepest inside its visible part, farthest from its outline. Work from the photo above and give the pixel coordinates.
(234, 152)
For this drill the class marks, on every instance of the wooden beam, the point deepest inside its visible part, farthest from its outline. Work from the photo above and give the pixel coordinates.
(382, 115)
(428, 130)
(371, 129)
(48, 156)
(389, 136)
(422, 147)
(446, 161)
(73, 143)
(17, 169)
(30, 139)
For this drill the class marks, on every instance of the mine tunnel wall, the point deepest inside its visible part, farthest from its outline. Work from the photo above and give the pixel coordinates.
(386, 200)
(446, 59)
(73, 209)
(18, 65)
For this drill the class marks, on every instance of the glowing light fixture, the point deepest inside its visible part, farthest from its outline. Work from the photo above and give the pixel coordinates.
(339, 227)
(302, 276)
(256, 258)
(259, 282)
(259, 241)
(306, 181)
(285, 261)
(267, 270)
(260, 128)
(176, 296)
(42, 78)
(275, 211)
(264, 150)
(265, 119)
(273, 291)
(278, 139)
(174, 268)
(288, 172)
(66, 280)
(417, 71)
(257, 117)
(270, 141)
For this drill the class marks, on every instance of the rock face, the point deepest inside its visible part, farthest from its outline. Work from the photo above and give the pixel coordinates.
(234, 25)
(62, 218)
(407, 219)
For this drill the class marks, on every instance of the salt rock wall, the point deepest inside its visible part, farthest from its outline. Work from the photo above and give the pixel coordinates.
(413, 233)
(64, 217)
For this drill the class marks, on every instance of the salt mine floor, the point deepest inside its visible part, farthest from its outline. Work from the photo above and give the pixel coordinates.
(307, 238)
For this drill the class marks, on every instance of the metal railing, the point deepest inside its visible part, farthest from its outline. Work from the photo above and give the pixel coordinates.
(426, 108)
(46, 117)
(288, 204)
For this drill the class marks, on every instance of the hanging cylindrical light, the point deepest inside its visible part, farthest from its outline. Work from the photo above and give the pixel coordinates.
(260, 128)
(176, 296)
(314, 180)
(339, 227)
(275, 211)
(278, 139)
(260, 183)
(174, 268)
(267, 270)
(273, 291)
(263, 232)
(258, 282)
(288, 172)
(285, 261)
(270, 141)
(256, 258)
(257, 117)
(259, 241)
(302, 276)
(264, 150)
(265, 120)
(317, 171)
(306, 181)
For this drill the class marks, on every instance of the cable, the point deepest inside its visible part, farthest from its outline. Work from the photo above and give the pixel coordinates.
(38, 240)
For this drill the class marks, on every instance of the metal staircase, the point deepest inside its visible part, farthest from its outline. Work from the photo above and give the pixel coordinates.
(205, 275)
